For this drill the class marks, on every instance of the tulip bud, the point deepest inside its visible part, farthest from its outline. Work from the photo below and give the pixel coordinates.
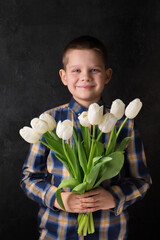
(83, 119)
(49, 119)
(108, 122)
(29, 135)
(95, 114)
(133, 108)
(64, 129)
(117, 108)
(39, 125)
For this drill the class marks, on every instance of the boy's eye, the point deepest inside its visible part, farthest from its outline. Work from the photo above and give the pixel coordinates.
(76, 70)
(94, 70)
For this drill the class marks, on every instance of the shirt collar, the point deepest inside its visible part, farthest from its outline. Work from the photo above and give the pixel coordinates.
(77, 108)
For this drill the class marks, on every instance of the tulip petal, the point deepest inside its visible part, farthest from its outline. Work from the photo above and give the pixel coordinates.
(64, 129)
(39, 125)
(29, 135)
(117, 108)
(95, 113)
(133, 108)
(83, 119)
(108, 123)
(49, 119)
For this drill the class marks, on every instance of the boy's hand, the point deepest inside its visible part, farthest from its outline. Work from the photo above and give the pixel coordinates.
(97, 199)
(71, 202)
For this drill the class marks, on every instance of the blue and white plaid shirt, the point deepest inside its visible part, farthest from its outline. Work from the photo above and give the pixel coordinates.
(127, 187)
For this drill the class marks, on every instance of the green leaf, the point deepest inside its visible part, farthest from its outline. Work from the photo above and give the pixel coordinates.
(122, 145)
(80, 188)
(98, 132)
(112, 142)
(101, 159)
(82, 156)
(74, 160)
(65, 163)
(92, 176)
(91, 156)
(76, 136)
(99, 149)
(86, 138)
(70, 183)
(54, 135)
(76, 141)
(111, 168)
(83, 131)
(54, 145)
(75, 149)
(95, 160)
(47, 134)
(94, 172)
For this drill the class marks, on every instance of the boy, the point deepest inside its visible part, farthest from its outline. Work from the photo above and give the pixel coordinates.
(85, 73)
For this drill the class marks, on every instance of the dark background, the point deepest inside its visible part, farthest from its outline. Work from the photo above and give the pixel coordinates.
(32, 36)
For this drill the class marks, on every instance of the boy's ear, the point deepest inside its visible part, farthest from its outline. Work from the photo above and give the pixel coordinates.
(108, 75)
(62, 75)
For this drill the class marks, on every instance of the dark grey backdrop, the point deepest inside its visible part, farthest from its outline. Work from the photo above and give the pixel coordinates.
(32, 36)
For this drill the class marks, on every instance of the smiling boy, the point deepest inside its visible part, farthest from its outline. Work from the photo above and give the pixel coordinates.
(85, 73)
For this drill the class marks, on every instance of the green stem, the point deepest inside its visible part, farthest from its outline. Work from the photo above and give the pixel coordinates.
(109, 142)
(79, 217)
(85, 228)
(69, 161)
(91, 228)
(85, 223)
(121, 127)
(87, 141)
(92, 149)
(44, 143)
(82, 223)
(100, 134)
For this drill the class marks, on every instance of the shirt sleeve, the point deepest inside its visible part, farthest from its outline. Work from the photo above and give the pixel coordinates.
(34, 176)
(136, 180)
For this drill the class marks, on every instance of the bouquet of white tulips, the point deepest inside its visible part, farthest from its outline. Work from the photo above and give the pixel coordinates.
(88, 160)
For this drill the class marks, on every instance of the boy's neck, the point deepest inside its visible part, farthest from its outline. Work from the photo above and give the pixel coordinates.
(86, 104)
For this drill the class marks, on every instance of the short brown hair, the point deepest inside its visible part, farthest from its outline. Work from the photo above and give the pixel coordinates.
(86, 42)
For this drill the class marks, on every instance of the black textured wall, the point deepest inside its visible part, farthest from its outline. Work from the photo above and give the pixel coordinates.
(32, 36)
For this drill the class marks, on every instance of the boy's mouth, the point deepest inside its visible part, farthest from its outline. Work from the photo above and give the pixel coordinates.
(86, 86)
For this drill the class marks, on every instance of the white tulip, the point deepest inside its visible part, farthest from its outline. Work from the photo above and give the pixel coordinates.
(133, 108)
(95, 114)
(83, 119)
(49, 119)
(117, 108)
(64, 129)
(29, 135)
(39, 125)
(108, 122)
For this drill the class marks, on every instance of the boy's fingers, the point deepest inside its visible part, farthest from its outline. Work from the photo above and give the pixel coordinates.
(90, 205)
(91, 199)
(88, 210)
(91, 193)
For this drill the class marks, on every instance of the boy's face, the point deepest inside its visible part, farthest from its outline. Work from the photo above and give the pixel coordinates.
(85, 75)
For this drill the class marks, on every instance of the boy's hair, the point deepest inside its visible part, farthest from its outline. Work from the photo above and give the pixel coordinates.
(85, 42)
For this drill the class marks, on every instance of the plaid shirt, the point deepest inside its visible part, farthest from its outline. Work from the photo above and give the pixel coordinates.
(43, 172)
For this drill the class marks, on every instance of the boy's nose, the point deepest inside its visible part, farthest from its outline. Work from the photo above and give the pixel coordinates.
(86, 76)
